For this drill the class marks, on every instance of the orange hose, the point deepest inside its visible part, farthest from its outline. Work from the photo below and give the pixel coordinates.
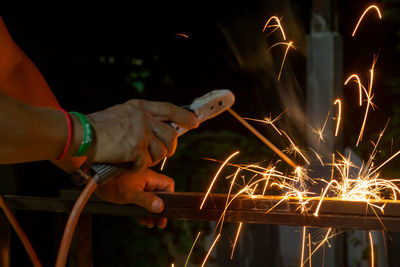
(72, 221)
(24, 239)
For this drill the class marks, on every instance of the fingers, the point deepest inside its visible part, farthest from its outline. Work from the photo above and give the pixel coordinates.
(158, 182)
(169, 112)
(166, 134)
(150, 222)
(142, 161)
(154, 182)
(157, 150)
(161, 222)
(148, 201)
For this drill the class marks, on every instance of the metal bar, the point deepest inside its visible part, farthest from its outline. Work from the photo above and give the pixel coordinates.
(185, 206)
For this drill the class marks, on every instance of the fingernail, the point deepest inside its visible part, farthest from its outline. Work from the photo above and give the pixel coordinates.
(196, 121)
(157, 205)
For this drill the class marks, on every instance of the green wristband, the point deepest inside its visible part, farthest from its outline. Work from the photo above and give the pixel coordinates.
(87, 134)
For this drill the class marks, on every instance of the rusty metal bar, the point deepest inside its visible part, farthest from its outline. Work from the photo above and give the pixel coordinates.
(185, 206)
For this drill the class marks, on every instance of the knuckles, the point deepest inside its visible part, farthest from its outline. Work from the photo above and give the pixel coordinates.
(125, 132)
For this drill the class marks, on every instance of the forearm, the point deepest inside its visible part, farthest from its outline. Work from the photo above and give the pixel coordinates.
(29, 133)
(22, 80)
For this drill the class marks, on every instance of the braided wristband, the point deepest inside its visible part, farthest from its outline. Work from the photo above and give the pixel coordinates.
(87, 134)
(67, 144)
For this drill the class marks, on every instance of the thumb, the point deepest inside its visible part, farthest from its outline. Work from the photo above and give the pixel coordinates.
(148, 200)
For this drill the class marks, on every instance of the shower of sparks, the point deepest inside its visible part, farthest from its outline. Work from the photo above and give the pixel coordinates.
(348, 182)
(276, 26)
(362, 16)
(338, 117)
(371, 242)
(209, 251)
(191, 249)
(236, 238)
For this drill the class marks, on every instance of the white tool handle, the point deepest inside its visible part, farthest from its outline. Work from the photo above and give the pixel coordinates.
(208, 106)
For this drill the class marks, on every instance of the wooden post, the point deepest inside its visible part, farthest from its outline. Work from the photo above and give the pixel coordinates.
(81, 247)
(324, 85)
(324, 80)
(4, 241)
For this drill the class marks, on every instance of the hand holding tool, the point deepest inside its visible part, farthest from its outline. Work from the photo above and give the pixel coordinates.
(205, 107)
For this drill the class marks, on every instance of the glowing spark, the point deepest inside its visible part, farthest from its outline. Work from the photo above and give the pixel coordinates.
(183, 35)
(191, 249)
(320, 131)
(302, 247)
(215, 177)
(362, 16)
(267, 180)
(296, 148)
(333, 165)
(309, 248)
(318, 156)
(221, 219)
(163, 163)
(368, 101)
(269, 120)
(324, 240)
(278, 25)
(323, 195)
(337, 101)
(288, 45)
(236, 238)
(389, 159)
(209, 251)
(372, 249)
(360, 86)
(227, 197)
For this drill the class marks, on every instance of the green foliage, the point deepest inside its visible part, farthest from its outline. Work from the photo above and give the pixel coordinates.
(137, 79)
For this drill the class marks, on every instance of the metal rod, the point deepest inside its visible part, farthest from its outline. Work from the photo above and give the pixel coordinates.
(263, 139)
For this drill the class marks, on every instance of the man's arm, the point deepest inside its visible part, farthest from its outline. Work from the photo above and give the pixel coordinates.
(133, 131)
(20, 79)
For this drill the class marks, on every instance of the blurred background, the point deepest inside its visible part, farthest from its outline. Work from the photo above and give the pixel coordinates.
(95, 60)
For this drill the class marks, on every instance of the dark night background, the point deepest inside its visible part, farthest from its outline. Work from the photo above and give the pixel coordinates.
(95, 60)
